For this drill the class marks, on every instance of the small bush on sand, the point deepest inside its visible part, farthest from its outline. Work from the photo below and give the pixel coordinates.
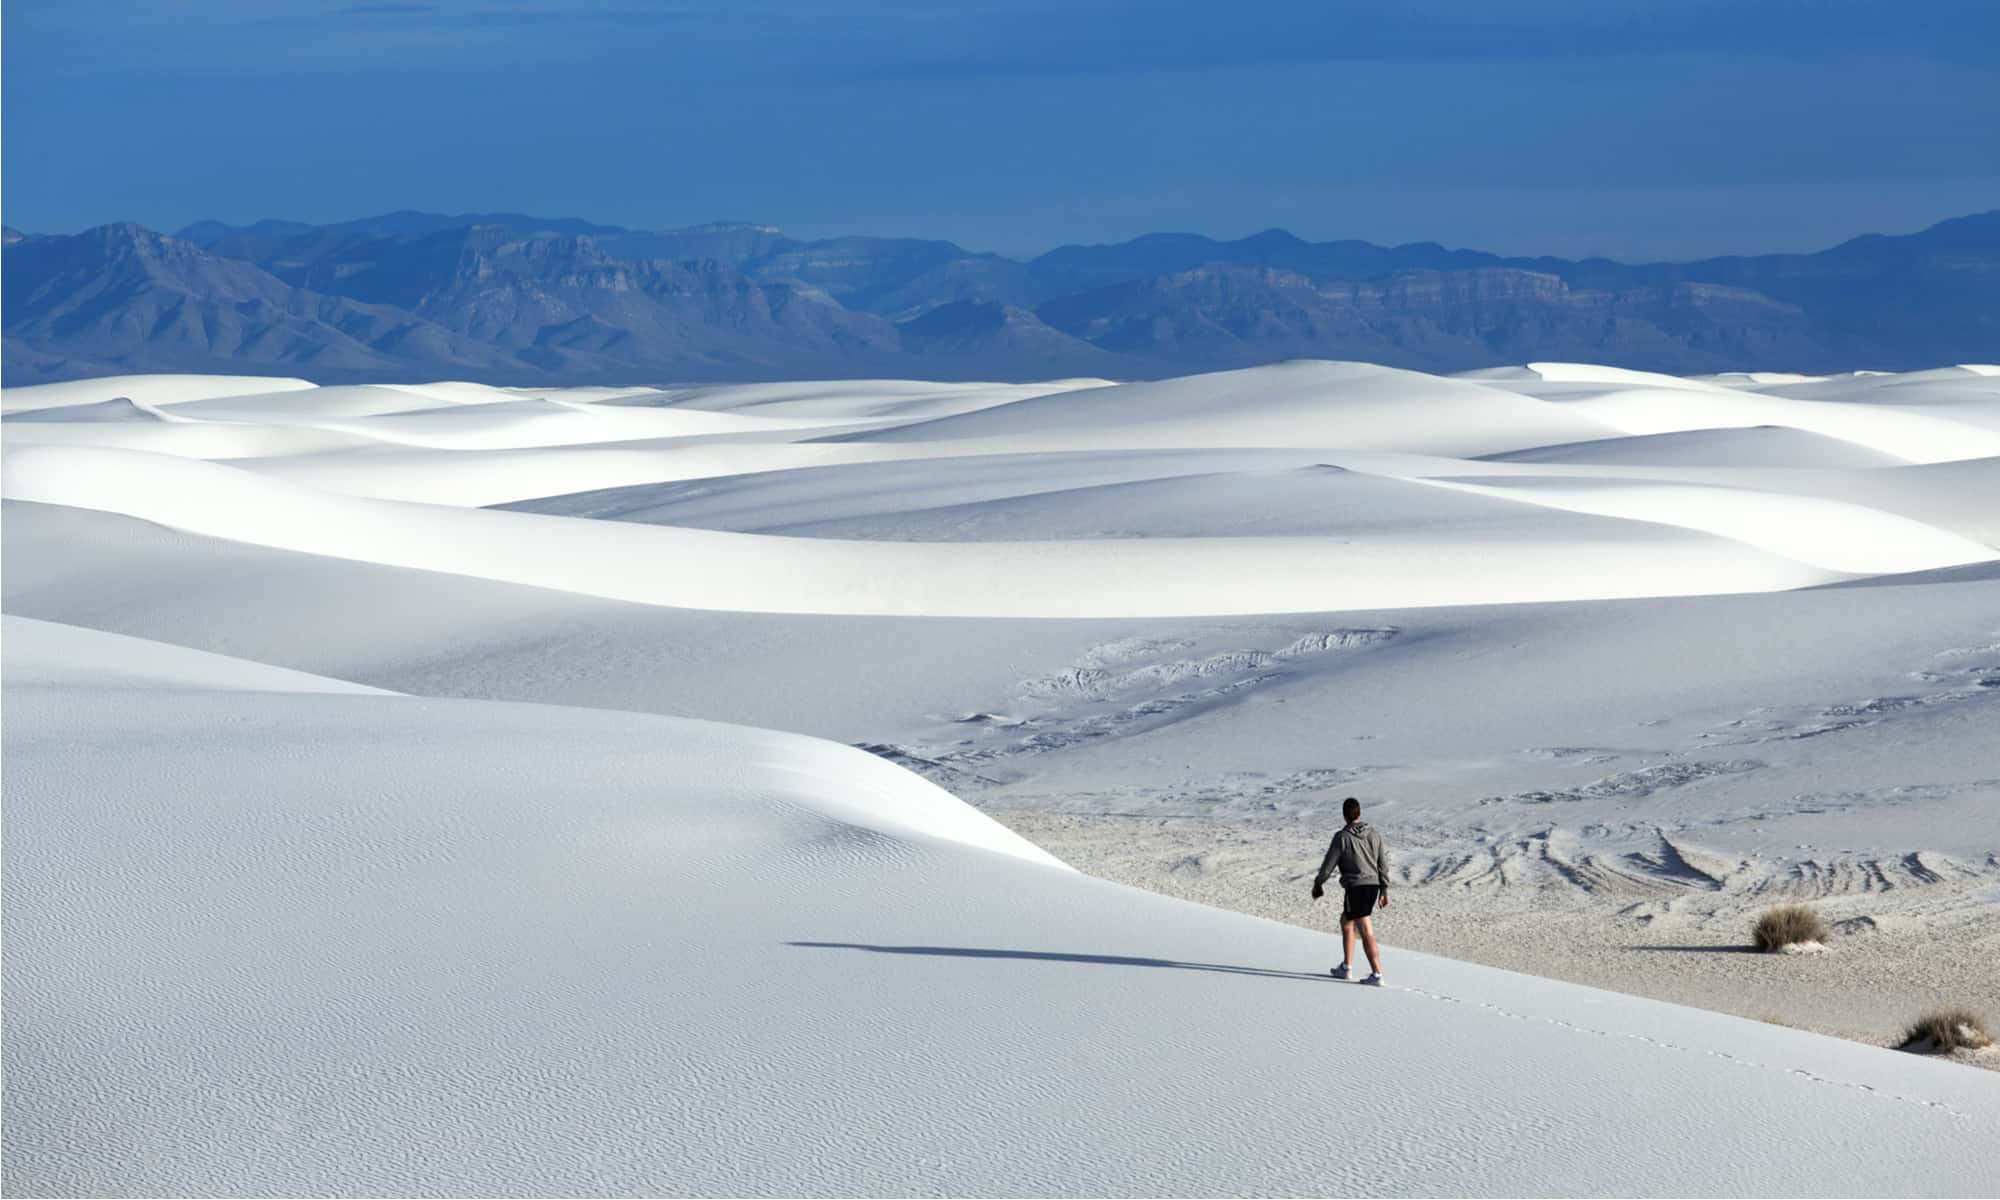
(1788, 925)
(1943, 1030)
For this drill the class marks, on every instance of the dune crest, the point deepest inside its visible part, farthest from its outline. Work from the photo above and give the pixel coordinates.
(449, 789)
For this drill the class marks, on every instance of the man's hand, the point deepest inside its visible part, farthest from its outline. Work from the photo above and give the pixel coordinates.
(1384, 901)
(1319, 889)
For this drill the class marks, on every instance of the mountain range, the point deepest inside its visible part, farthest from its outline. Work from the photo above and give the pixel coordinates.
(505, 297)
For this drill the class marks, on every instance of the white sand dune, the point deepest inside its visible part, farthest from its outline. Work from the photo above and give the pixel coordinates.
(584, 395)
(1753, 446)
(480, 478)
(45, 654)
(781, 486)
(180, 438)
(557, 950)
(1830, 534)
(1953, 429)
(139, 577)
(1593, 373)
(453, 391)
(1304, 403)
(294, 407)
(1962, 496)
(1877, 520)
(152, 389)
(515, 423)
(119, 409)
(859, 400)
(1454, 706)
(1415, 567)
(363, 839)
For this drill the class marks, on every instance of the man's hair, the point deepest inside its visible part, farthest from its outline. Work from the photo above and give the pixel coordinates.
(1350, 808)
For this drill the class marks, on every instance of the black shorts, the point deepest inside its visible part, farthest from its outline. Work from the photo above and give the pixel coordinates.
(1360, 902)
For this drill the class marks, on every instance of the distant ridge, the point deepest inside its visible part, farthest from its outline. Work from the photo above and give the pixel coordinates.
(512, 297)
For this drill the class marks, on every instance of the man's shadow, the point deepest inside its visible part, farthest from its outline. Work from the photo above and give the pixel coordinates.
(1106, 960)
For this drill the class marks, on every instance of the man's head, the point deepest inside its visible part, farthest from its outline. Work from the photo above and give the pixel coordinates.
(1351, 809)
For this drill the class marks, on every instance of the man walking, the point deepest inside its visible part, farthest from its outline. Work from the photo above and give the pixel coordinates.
(1364, 874)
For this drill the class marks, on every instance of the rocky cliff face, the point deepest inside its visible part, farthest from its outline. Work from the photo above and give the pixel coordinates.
(1450, 320)
(503, 296)
(125, 297)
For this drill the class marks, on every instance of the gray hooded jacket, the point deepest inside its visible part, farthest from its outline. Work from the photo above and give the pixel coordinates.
(1358, 854)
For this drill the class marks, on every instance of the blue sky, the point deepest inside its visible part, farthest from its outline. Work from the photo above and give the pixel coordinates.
(1633, 128)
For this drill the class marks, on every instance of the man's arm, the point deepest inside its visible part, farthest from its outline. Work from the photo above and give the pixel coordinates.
(1382, 867)
(1326, 866)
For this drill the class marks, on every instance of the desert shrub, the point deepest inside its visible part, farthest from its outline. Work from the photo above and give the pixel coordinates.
(1942, 1030)
(1786, 925)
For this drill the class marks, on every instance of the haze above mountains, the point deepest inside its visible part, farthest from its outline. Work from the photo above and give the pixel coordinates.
(510, 298)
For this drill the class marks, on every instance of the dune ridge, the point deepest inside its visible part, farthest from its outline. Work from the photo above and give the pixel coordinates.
(1660, 529)
(583, 960)
(734, 790)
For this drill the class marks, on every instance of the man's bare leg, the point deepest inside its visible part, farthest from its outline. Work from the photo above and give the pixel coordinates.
(1347, 942)
(1367, 940)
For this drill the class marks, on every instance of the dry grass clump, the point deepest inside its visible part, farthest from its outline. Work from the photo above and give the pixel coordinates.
(1943, 1030)
(1785, 925)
